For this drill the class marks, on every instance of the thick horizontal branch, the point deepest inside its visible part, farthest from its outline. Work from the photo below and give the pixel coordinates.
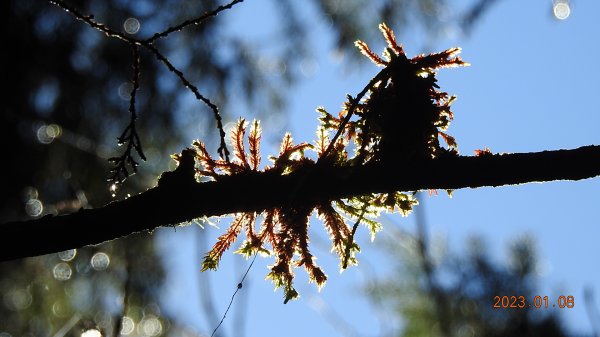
(179, 198)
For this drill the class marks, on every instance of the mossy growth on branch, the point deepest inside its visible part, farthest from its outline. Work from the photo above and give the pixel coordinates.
(400, 113)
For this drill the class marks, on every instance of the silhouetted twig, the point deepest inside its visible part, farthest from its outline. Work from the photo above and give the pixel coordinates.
(89, 19)
(351, 238)
(223, 151)
(130, 136)
(190, 22)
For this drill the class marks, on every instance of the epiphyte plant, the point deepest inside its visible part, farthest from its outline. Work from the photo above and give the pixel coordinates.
(398, 114)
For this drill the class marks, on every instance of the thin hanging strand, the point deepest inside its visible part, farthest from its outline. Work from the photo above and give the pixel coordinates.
(239, 286)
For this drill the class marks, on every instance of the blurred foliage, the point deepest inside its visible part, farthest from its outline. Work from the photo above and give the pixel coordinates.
(436, 19)
(84, 288)
(65, 101)
(439, 294)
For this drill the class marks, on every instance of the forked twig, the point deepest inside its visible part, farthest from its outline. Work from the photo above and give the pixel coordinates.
(351, 237)
(382, 75)
(130, 136)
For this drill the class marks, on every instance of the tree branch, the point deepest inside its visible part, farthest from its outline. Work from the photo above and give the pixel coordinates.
(177, 198)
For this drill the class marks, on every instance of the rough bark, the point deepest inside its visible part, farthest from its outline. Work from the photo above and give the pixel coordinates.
(178, 198)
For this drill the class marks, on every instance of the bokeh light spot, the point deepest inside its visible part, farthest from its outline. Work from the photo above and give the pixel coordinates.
(125, 90)
(127, 325)
(150, 326)
(53, 131)
(91, 333)
(67, 255)
(113, 190)
(308, 67)
(131, 25)
(561, 9)
(100, 261)
(34, 207)
(62, 271)
(18, 299)
(46, 134)
(60, 309)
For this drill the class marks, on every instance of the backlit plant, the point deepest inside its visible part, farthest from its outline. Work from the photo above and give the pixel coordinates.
(400, 114)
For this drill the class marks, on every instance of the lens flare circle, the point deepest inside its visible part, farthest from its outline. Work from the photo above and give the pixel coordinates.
(62, 271)
(131, 25)
(34, 207)
(67, 255)
(100, 261)
(127, 325)
(561, 10)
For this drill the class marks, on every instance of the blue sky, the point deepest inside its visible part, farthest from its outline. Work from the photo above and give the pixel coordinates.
(532, 85)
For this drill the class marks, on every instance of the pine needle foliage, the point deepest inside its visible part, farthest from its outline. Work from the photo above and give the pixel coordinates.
(400, 113)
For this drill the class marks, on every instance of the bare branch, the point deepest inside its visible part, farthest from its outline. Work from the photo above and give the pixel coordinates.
(89, 19)
(130, 136)
(354, 104)
(195, 21)
(120, 172)
(223, 151)
(177, 198)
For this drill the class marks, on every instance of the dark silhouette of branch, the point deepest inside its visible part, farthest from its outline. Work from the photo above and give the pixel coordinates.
(192, 22)
(130, 136)
(89, 20)
(178, 198)
(223, 151)
(119, 173)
